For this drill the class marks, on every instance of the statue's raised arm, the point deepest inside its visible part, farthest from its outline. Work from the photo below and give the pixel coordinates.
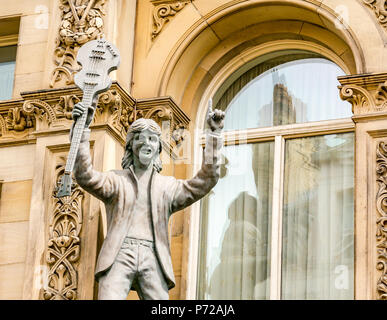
(215, 118)
(186, 192)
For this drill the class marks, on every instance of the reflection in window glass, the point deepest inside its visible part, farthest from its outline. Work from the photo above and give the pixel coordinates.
(7, 71)
(318, 226)
(294, 92)
(235, 226)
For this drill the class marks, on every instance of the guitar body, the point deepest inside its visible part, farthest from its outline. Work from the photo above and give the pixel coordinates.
(97, 58)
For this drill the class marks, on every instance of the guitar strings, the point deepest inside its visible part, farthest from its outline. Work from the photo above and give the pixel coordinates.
(79, 125)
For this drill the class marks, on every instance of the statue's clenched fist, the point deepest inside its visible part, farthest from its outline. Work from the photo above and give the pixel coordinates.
(215, 118)
(78, 111)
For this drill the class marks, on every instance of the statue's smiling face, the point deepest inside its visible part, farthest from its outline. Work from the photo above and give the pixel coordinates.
(145, 146)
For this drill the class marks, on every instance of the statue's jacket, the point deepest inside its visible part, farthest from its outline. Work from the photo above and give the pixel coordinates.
(118, 191)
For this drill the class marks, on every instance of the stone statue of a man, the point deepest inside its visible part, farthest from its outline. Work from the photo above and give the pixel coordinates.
(139, 201)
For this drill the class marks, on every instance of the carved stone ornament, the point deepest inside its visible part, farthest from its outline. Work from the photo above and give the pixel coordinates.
(18, 120)
(380, 9)
(82, 21)
(163, 11)
(171, 119)
(52, 110)
(366, 93)
(381, 206)
(63, 247)
(46, 111)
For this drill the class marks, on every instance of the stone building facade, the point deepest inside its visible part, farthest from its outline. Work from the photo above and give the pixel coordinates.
(175, 56)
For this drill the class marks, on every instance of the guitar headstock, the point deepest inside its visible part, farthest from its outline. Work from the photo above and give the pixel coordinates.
(97, 58)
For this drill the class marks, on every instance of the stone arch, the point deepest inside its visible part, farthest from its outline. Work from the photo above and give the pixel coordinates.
(232, 35)
(227, 33)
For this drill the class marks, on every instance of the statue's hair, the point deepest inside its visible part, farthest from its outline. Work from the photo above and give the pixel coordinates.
(136, 127)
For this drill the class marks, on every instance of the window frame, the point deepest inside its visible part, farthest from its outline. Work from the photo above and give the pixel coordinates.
(6, 41)
(9, 40)
(246, 59)
(278, 134)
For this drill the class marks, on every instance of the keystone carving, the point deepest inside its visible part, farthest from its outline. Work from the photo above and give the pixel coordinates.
(164, 11)
(82, 21)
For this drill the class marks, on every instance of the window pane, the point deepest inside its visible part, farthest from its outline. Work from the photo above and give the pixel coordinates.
(318, 223)
(294, 92)
(235, 226)
(7, 71)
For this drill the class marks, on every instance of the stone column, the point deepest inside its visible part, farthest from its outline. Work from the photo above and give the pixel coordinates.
(368, 96)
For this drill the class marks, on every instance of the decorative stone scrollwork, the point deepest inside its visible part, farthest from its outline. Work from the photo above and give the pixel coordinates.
(380, 9)
(3, 126)
(159, 114)
(358, 97)
(164, 10)
(63, 247)
(381, 206)
(381, 96)
(172, 120)
(18, 120)
(40, 109)
(179, 132)
(366, 93)
(111, 109)
(128, 115)
(82, 21)
(43, 111)
(65, 106)
(109, 102)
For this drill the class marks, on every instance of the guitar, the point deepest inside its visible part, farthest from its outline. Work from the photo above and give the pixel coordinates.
(97, 58)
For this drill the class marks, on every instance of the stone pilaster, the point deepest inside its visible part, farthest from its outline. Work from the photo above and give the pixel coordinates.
(368, 96)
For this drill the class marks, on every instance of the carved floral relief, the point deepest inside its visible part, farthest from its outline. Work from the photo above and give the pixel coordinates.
(164, 11)
(381, 207)
(380, 9)
(63, 247)
(82, 21)
(21, 119)
(367, 94)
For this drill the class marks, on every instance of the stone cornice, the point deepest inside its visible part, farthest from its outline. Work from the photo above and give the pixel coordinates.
(48, 111)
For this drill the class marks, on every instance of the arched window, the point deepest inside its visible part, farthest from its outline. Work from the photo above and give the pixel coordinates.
(279, 223)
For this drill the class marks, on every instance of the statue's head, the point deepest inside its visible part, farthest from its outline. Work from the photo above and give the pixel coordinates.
(143, 142)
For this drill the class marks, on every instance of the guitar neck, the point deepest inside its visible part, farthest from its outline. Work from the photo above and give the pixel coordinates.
(78, 131)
